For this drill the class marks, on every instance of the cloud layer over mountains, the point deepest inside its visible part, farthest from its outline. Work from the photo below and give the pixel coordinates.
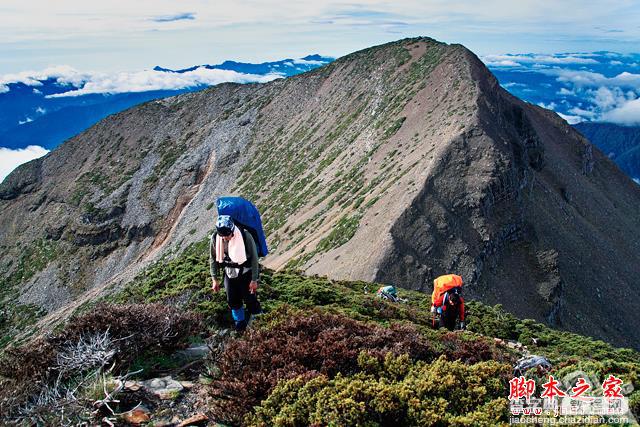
(593, 86)
(84, 83)
(30, 98)
(598, 86)
(40, 109)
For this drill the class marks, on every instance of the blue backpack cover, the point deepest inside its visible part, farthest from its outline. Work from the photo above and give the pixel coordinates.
(246, 215)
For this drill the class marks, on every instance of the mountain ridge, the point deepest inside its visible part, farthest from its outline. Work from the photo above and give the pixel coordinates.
(31, 117)
(261, 68)
(348, 164)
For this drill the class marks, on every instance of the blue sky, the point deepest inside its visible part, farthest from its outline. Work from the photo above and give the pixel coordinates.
(120, 35)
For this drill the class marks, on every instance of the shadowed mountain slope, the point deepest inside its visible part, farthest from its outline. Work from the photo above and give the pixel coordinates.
(620, 143)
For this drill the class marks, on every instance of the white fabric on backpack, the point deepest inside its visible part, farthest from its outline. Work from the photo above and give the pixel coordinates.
(236, 250)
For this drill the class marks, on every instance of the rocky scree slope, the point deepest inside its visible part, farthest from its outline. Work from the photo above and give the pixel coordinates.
(393, 164)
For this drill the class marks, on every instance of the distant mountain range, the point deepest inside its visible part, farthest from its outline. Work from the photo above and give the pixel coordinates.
(620, 143)
(47, 111)
(287, 67)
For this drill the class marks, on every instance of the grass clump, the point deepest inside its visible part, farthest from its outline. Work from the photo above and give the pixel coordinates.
(34, 258)
(395, 127)
(341, 233)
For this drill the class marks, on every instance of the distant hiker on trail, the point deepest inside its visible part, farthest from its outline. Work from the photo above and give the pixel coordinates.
(234, 249)
(389, 293)
(447, 303)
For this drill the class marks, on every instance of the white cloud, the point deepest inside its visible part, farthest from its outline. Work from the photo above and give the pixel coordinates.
(550, 106)
(36, 91)
(606, 98)
(565, 91)
(637, 180)
(41, 110)
(10, 159)
(513, 84)
(515, 60)
(615, 62)
(582, 78)
(625, 114)
(27, 120)
(147, 80)
(301, 61)
(538, 66)
(583, 113)
(569, 59)
(83, 83)
(501, 63)
(572, 120)
(63, 74)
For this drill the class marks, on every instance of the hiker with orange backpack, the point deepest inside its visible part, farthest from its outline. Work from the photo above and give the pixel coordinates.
(447, 304)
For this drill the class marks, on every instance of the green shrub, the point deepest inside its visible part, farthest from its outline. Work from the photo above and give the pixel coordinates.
(402, 392)
(292, 343)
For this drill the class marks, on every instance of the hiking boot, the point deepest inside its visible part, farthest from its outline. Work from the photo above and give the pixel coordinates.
(241, 326)
(253, 317)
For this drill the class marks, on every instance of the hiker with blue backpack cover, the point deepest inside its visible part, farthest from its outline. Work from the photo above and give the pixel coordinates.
(234, 250)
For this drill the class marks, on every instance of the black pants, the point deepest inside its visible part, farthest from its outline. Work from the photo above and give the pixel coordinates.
(238, 292)
(448, 317)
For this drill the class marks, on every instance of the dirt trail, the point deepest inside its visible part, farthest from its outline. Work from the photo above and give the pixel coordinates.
(173, 219)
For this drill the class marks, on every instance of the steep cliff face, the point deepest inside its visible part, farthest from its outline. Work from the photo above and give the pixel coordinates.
(396, 164)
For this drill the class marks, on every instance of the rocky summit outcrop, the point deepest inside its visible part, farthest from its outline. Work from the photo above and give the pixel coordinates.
(395, 164)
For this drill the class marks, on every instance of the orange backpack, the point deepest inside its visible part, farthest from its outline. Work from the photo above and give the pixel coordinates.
(442, 284)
